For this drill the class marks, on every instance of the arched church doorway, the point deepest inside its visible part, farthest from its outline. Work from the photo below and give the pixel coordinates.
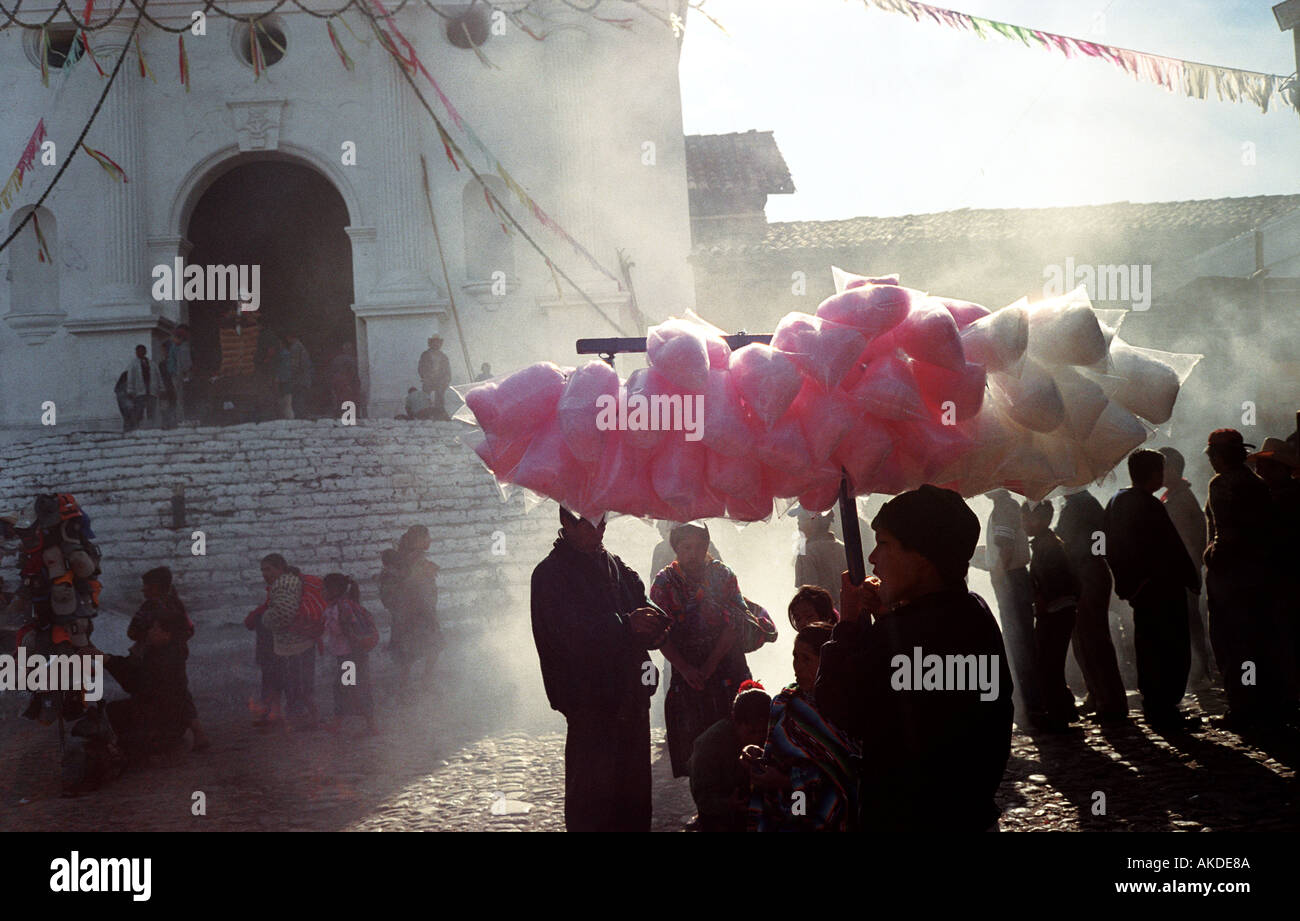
(288, 220)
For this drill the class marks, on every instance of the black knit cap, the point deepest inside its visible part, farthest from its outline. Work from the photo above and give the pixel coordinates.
(936, 523)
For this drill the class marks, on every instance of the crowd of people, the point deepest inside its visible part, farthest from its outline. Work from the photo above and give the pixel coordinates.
(852, 743)
(302, 616)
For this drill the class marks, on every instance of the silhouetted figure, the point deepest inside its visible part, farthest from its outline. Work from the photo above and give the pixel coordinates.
(592, 626)
(804, 775)
(1153, 574)
(1008, 558)
(821, 557)
(719, 784)
(1239, 516)
(434, 369)
(1277, 463)
(709, 616)
(1056, 596)
(1081, 523)
(812, 604)
(1186, 514)
(932, 760)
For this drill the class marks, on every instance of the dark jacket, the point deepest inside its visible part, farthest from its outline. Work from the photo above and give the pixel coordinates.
(1240, 522)
(932, 760)
(717, 777)
(1056, 587)
(591, 661)
(160, 708)
(1143, 548)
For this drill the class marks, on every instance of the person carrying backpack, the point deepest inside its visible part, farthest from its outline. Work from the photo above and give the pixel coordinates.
(350, 634)
(295, 616)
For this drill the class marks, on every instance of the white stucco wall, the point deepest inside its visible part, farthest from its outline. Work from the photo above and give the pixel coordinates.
(571, 129)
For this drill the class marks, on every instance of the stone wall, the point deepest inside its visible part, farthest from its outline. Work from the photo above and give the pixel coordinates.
(329, 497)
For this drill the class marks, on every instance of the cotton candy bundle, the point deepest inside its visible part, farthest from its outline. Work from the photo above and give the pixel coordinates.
(589, 388)
(677, 349)
(998, 340)
(870, 309)
(728, 427)
(1149, 385)
(768, 380)
(1032, 399)
(1065, 331)
(824, 351)
(519, 404)
(884, 384)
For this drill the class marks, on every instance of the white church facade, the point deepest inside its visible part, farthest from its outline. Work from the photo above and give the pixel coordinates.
(315, 174)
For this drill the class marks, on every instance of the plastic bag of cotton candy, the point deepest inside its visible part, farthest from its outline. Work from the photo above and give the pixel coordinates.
(884, 383)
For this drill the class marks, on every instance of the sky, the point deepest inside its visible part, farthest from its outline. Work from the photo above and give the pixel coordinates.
(877, 114)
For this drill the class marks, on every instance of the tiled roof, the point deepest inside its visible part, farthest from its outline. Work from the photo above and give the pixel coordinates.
(748, 160)
(1226, 216)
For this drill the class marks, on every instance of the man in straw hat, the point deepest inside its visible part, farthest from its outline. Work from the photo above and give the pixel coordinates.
(435, 375)
(1239, 579)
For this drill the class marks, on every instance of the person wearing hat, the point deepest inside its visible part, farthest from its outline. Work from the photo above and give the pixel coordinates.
(821, 557)
(592, 625)
(1153, 573)
(1240, 583)
(435, 375)
(1189, 519)
(932, 760)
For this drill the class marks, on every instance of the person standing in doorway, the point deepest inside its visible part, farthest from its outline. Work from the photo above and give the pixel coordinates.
(299, 377)
(180, 366)
(435, 374)
(143, 382)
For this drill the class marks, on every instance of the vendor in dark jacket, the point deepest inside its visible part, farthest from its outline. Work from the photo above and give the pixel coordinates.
(1153, 573)
(933, 755)
(592, 624)
(154, 718)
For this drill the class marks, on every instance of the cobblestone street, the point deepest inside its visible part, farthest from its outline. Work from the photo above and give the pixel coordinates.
(430, 770)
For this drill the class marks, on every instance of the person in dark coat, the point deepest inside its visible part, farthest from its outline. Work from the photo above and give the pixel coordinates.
(593, 625)
(1240, 583)
(154, 718)
(1153, 574)
(719, 783)
(1081, 522)
(1188, 517)
(1276, 463)
(1056, 597)
(932, 759)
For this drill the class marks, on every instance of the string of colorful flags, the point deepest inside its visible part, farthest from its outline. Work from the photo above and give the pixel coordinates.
(1175, 75)
(25, 162)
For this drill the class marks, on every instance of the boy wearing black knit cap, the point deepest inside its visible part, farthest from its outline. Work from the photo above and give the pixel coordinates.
(934, 749)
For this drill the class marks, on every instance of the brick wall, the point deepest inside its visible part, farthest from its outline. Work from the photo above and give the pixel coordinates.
(329, 497)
